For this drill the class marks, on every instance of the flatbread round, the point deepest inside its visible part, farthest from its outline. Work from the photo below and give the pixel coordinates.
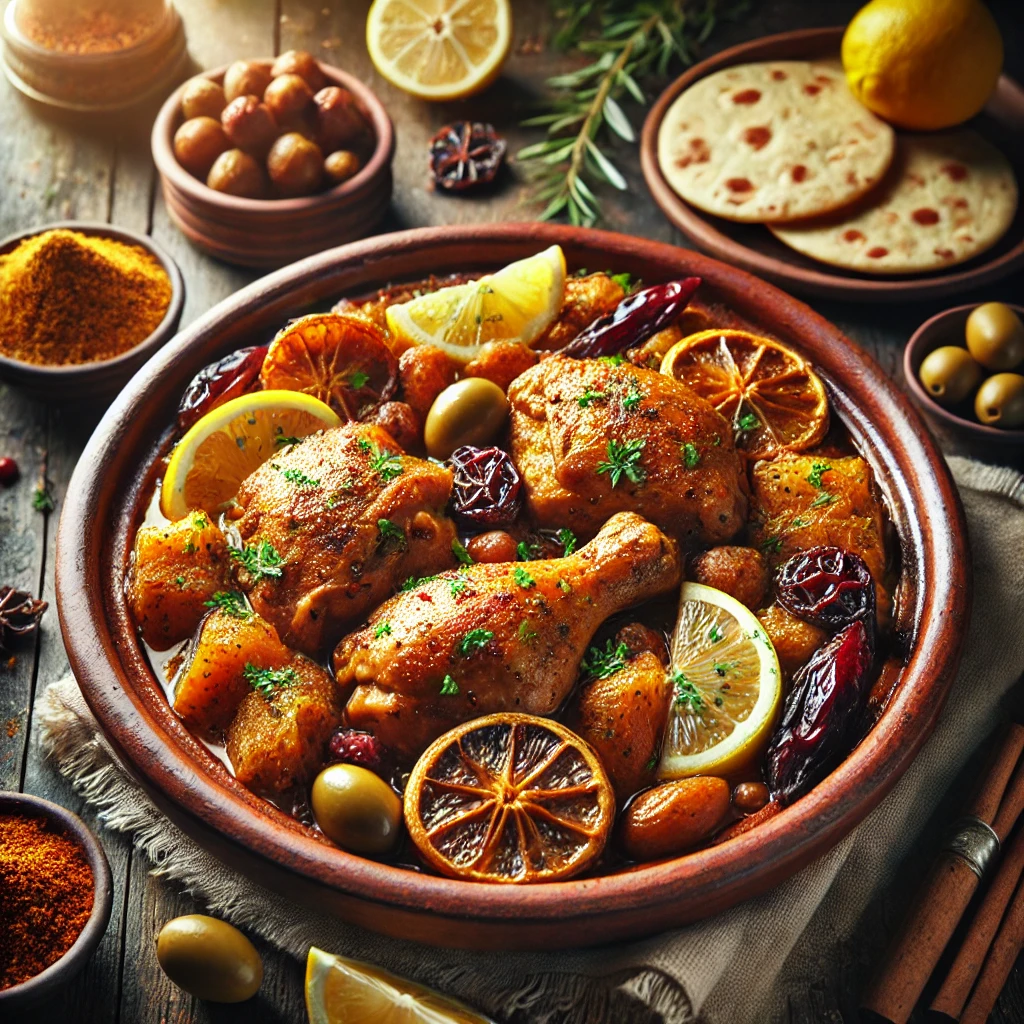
(772, 142)
(947, 198)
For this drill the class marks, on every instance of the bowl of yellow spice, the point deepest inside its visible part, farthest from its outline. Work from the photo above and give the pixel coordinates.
(82, 307)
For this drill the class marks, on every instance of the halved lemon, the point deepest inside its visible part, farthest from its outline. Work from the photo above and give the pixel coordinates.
(774, 400)
(515, 304)
(727, 687)
(210, 462)
(344, 991)
(439, 49)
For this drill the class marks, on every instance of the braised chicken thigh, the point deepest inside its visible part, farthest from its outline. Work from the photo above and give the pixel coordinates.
(591, 438)
(344, 517)
(497, 637)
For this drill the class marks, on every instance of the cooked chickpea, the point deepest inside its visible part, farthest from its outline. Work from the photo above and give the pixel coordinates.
(750, 796)
(501, 362)
(288, 97)
(339, 121)
(246, 78)
(296, 165)
(237, 174)
(198, 143)
(250, 125)
(424, 371)
(741, 572)
(402, 423)
(493, 546)
(202, 97)
(341, 166)
(301, 63)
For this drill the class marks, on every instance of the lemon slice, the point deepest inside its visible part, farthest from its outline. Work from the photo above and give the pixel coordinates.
(439, 49)
(343, 991)
(515, 304)
(727, 687)
(210, 462)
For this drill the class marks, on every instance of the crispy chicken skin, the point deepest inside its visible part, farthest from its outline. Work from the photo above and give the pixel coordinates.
(495, 637)
(567, 414)
(349, 524)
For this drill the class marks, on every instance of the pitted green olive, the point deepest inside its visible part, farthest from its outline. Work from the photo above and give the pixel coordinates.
(356, 809)
(995, 336)
(949, 374)
(470, 411)
(209, 959)
(1000, 401)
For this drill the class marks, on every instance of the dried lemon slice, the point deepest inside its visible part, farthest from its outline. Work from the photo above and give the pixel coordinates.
(509, 798)
(727, 687)
(772, 397)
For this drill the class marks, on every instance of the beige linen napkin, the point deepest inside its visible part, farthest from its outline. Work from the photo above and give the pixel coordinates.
(736, 968)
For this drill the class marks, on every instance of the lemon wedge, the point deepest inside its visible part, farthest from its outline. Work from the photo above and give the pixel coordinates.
(343, 991)
(439, 49)
(517, 303)
(210, 462)
(728, 687)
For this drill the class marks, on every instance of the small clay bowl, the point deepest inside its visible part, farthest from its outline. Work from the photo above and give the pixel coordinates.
(275, 232)
(947, 328)
(47, 982)
(93, 384)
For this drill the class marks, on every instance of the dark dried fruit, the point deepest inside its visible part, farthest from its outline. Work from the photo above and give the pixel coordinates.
(487, 491)
(827, 587)
(820, 715)
(349, 746)
(219, 382)
(9, 471)
(635, 319)
(465, 154)
(19, 615)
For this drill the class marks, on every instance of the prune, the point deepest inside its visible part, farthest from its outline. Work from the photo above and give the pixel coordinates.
(465, 154)
(215, 384)
(350, 746)
(827, 587)
(487, 491)
(820, 713)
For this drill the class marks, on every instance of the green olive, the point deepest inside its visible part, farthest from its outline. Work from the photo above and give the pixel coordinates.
(470, 411)
(356, 809)
(995, 336)
(210, 959)
(1000, 401)
(949, 374)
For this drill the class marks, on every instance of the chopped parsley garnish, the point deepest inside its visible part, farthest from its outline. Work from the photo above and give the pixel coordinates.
(624, 281)
(180, 580)
(458, 587)
(189, 548)
(799, 522)
(633, 396)
(357, 380)
(231, 602)
(415, 582)
(527, 634)
(381, 629)
(589, 396)
(772, 545)
(568, 541)
(475, 640)
(624, 461)
(523, 578)
(565, 588)
(449, 688)
(814, 477)
(387, 465)
(268, 680)
(460, 552)
(260, 561)
(601, 664)
(822, 499)
(748, 421)
(42, 500)
(652, 763)
(199, 521)
(687, 695)
(690, 455)
(716, 634)
(390, 533)
(528, 551)
(282, 440)
(722, 667)
(615, 360)
(297, 477)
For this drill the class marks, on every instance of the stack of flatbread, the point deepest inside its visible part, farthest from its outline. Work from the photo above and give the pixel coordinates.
(786, 144)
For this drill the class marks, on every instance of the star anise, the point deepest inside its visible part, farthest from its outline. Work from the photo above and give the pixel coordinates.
(465, 154)
(20, 613)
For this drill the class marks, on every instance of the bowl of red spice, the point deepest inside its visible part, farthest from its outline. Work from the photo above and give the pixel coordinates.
(82, 307)
(55, 898)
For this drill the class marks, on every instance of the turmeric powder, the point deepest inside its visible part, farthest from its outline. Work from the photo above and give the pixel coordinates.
(68, 298)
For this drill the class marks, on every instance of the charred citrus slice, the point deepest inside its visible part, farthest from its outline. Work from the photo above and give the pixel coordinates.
(509, 798)
(774, 400)
(727, 687)
(340, 358)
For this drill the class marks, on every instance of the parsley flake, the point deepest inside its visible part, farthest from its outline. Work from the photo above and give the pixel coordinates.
(814, 477)
(748, 421)
(390, 533)
(716, 634)
(449, 688)
(381, 629)
(475, 640)
(601, 664)
(624, 461)
(624, 281)
(822, 499)
(42, 500)
(268, 680)
(687, 694)
(357, 380)
(691, 457)
(387, 465)
(231, 602)
(633, 395)
(722, 667)
(281, 441)
(565, 588)
(589, 396)
(527, 634)
(415, 582)
(261, 561)
(460, 552)
(568, 541)
(297, 477)
(614, 360)
(528, 551)
(772, 545)
(523, 578)
(458, 587)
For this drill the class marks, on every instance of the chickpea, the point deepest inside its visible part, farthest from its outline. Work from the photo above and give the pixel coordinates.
(301, 63)
(203, 98)
(339, 121)
(296, 165)
(246, 78)
(238, 174)
(402, 423)
(250, 125)
(198, 143)
(750, 796)
(493, 546)
(288, 97)
(342, 165)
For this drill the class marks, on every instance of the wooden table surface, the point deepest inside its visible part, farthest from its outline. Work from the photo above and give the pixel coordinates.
(54, 167)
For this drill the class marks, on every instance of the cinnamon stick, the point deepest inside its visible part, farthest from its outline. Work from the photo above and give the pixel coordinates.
(944, 896)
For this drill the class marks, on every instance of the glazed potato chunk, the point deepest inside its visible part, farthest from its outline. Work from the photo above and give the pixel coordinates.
(794, 640)
(740, 572)
(278, 738)
(213, 681)
(176, 569)
(586, 299)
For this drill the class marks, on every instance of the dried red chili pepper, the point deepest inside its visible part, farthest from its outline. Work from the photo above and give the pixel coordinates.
(487, 490)
(828, 587)
(19, 615)
(635, 319)
(465, 154)
(219, 382)
(820, 714)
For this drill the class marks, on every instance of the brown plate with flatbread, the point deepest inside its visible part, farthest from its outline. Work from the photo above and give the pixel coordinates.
(754, 248)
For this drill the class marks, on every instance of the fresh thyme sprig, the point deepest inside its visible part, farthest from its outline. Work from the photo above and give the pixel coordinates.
(627, 41)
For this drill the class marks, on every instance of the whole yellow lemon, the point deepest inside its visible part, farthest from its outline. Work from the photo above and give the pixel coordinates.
(923, 64)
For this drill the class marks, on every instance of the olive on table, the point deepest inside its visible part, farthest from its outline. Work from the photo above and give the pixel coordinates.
(674, 816)
(296, 165)
(198, 143)
(995, 336)
(1000, 401)
(492, 546)
(356, 809)
(301, 63)
(288, 97)
(470, 411)
(341, 165)
(949, 374)
(209, 959)
(250, 125)
(750, 796)
(339, 121)
(246, 78)
(202, 97)
(237, 174)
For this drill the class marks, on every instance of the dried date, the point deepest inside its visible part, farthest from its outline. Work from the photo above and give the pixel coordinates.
(219, 382)
(487, 490)
(827, 587)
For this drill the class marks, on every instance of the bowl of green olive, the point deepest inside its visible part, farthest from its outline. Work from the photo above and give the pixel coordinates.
(965, 369)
